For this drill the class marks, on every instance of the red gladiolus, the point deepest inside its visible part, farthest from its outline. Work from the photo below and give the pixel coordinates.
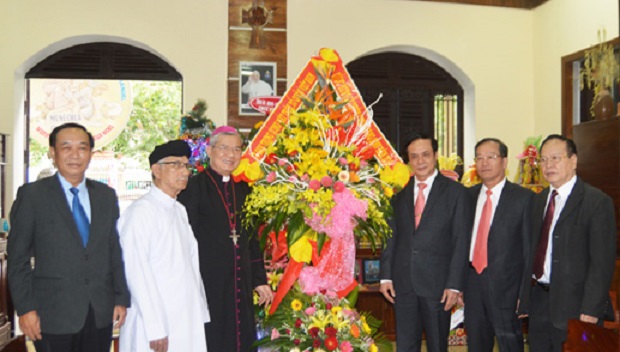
(296, 342)
(331, 343)
(298, 323)
(314, 332)
(316, 343)
(330, 331)
(328, 306)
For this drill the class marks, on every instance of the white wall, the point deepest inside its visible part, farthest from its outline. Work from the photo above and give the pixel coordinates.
(507, 59)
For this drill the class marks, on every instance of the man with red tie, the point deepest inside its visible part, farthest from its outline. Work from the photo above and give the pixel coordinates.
(423, 264)
(498, 251)
(573, 250)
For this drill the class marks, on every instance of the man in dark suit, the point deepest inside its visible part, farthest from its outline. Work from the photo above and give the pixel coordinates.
(67, 223)
(573, 250)
(499, 247)
(423, 266)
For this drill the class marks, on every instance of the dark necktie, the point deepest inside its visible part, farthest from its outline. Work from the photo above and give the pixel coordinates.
(541, 249)
(79, 215)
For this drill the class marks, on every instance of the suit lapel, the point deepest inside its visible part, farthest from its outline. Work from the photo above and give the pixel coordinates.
(502, 206)
(538, 211)
(574, 199)
(57, 195)
(94, 209)
(439, 186)
(407, 198)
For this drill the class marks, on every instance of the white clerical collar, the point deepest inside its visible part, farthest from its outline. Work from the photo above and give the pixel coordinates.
(225, 178)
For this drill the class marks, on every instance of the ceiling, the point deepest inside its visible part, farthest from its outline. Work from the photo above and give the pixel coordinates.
(522, 4)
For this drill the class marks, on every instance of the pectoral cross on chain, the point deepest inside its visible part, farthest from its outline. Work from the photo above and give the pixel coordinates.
(234, 236)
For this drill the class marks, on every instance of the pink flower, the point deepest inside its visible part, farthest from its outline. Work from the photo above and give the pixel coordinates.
(339, 186)
(314, 185)
(305, 177)
(363, 163)
(271, 177)
(274, 334)
(371, 180)
(282, 161)
(292, 179)
(326, 181)
(343, 161)
(345, 346)
(310, 310)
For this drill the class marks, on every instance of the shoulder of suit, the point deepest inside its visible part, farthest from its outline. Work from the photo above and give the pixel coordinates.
(591, 191)
(99, 187)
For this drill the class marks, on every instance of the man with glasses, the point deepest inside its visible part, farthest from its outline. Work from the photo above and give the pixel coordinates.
(231, 262)
(573, 250)
(498, 250)
(423, 265)
(76, 292)
(161, 261)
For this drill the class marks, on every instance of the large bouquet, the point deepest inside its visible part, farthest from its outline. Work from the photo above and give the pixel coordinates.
(322, 176)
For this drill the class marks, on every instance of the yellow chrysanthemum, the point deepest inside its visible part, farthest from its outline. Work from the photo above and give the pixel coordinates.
(296, 305)
(373, 348)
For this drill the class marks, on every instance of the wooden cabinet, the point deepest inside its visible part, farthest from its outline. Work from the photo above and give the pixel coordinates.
(371, 300)
(598, 149)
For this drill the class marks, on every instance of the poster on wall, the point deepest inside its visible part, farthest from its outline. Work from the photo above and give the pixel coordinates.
(102, 106)
(256, 80)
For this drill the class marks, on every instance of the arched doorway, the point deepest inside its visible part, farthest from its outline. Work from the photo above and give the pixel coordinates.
(128, 98)
(418, 96)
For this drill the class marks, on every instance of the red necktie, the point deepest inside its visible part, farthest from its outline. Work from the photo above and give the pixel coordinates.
(541, 249)
(420, 202)
(482, 235)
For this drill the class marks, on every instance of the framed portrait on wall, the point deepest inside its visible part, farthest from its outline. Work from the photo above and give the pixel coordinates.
(256, 79)
(370, 271)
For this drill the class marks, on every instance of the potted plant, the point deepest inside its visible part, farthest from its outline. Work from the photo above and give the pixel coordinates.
(599, 73)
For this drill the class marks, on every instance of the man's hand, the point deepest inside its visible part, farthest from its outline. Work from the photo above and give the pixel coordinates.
(160, 345)
(588, 319)
(31, 325)
(265, 295)
(388, 291)
(119, 315)
(459, 300)
(449, 298)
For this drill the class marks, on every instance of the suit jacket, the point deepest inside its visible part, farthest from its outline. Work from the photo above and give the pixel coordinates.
(434, 256)
(67, 277)
(508, 244)
(584, 254)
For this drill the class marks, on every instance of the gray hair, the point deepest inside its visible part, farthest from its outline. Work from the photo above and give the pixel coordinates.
(215, 138)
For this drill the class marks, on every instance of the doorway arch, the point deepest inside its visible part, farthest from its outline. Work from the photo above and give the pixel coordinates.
(19, 136)
(469, 121)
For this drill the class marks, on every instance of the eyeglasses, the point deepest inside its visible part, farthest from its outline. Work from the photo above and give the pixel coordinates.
(552, 160)
(224, 149)
(177, 165)
(492, 157)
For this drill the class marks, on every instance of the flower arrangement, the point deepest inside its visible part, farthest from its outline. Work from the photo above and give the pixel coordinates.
(600, 69)
(322, 175)
(322, 323)
(196, 130)
(529, 174)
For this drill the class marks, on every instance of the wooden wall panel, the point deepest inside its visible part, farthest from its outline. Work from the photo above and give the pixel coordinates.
(239, 34)
(275, 51)
(235, 8)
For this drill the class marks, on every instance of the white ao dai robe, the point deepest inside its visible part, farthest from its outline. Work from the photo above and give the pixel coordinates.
(161, 264)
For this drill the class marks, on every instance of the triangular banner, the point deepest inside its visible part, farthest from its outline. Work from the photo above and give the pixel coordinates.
(292, 100)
